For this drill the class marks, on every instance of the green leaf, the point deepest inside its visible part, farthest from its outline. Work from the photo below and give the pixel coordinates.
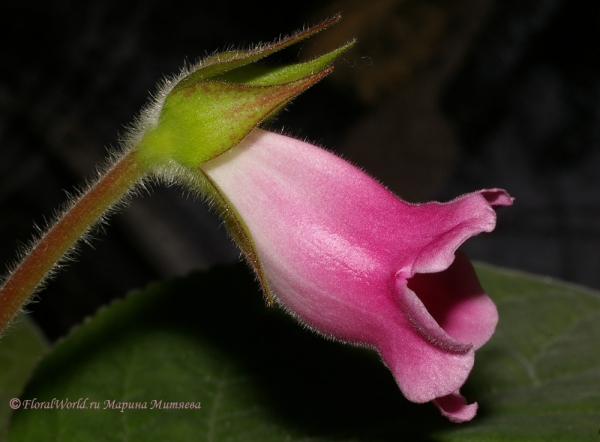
(20, 349)
(209, 338)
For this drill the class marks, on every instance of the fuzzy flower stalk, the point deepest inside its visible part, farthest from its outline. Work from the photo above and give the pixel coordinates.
(330, 244)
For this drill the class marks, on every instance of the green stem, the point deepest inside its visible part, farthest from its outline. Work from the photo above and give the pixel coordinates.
(63, 235)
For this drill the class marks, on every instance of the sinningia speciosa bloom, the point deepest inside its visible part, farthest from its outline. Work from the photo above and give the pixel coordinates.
(354, 262)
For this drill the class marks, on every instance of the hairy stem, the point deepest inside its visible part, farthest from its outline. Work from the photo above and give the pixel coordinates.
(63, 235)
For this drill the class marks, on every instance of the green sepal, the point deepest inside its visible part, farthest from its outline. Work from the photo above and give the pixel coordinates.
(227, 61)
(236, 227)
(213, 106)
(201, 121)
(258, 75)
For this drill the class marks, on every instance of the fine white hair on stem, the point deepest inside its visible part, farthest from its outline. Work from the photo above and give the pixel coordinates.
(86, 237)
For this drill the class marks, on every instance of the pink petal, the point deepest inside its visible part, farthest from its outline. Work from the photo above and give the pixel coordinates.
(426, 362)
(455, 407)
(497, 197)
(440, 228)
(456, 301)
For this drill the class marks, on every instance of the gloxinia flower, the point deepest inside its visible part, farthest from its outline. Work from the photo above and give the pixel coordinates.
(352, 261)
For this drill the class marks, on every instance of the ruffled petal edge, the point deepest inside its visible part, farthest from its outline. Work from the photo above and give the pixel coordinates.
(454, 407)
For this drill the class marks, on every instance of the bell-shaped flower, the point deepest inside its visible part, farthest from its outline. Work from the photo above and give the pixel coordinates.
(352, 261)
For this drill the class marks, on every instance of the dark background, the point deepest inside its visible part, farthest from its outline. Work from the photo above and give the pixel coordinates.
(438, 98)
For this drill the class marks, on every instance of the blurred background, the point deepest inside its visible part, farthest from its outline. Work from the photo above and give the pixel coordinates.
(438, 98)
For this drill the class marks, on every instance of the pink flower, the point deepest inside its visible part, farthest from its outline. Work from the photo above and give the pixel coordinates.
(353, 262)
